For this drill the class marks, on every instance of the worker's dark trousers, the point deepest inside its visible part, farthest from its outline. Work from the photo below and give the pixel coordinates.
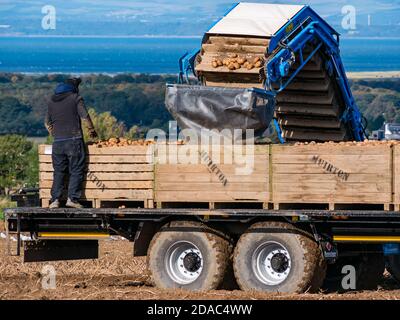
(68, 159)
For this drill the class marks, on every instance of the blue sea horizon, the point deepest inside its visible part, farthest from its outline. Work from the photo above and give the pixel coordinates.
(155, 55)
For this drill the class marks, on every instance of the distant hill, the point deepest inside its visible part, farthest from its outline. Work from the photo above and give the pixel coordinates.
(138, 100)
(179, 17)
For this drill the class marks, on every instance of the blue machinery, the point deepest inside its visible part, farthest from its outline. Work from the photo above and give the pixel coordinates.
(306, 29)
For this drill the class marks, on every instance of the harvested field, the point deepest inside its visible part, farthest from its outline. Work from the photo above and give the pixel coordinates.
(116, 275)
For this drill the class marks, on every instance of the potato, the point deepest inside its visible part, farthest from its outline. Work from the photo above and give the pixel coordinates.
(231, 66)
(241, 61)
(214, 64)
(232, 55)
(258, 64)
(237, 65)
(257, 59)
(250, 66)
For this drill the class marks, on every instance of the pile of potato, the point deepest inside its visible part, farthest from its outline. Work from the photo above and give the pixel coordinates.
(123, 142)
(236, 62)
(351, 143)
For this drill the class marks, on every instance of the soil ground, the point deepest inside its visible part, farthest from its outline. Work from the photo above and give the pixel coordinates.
(117, 275)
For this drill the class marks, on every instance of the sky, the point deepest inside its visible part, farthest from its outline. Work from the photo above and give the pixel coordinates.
(177, 17)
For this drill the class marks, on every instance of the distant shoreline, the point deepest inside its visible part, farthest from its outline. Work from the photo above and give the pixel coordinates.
(374, 75)
(103, 36)
(350, 75)
(150, 36)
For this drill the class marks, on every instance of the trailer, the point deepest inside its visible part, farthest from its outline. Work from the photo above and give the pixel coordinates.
(196, 249)
(302, 213)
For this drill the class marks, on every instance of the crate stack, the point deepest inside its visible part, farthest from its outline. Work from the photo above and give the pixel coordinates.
(329, 176)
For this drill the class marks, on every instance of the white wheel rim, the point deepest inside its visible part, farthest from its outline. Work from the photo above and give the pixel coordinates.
(184, 262)
(271, 263)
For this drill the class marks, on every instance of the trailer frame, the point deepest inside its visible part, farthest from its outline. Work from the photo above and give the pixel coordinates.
(140, 225)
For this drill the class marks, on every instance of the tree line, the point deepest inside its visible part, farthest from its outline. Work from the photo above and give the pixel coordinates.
(137, 100)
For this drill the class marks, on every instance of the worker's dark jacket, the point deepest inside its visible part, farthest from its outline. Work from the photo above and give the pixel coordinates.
(63, 120)
(64, 113)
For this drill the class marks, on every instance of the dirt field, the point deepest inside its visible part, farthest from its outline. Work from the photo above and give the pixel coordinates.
(116, 275)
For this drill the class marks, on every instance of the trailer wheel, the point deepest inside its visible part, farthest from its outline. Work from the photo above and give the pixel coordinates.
(277, 257)
(393, 266)
(188, 255)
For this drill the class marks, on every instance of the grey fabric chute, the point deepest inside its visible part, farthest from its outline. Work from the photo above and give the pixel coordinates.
(201, 107)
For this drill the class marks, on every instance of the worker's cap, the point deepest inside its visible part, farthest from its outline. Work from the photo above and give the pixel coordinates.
(74, 82)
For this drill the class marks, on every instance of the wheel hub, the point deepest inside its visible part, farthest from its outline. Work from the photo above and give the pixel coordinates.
(279, 263)
(271, 263)
(192, 262)
(184, 262)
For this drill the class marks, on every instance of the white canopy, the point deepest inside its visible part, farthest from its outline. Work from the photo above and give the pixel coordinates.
(255, 19)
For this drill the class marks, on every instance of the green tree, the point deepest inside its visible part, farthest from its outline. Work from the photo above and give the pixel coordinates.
(133, 133)
(14, 160)
(106, 126)
(31, 178)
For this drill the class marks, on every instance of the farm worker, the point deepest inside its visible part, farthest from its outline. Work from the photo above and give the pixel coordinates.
(65, 110)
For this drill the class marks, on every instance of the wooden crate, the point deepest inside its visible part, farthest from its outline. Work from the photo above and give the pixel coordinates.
(212, 183)
(396, 176)
(220, 47)
(123, 175)
(335, 175)
(330, 176)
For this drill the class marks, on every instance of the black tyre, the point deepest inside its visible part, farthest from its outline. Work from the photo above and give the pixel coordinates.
(188, 255)
(277, 257)
(369, 265)
(393, 266)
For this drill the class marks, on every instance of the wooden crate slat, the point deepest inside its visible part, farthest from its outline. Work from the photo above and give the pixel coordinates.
(239, 40)
(187, 168)
(107, 159)
(241, 49)
(235, 85)
(338, 160)
(109, 176)
(107, 184)
(256, 161)
(107, 167)
(210, 196)
(332, 187)
(368, 198)
(257, 150)
(207, 186)
(128, 194)
(207, 177)
(323, 177)
(209, 68)
(129, 150)
(306, 168)
(330, 149)
(396, 174)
